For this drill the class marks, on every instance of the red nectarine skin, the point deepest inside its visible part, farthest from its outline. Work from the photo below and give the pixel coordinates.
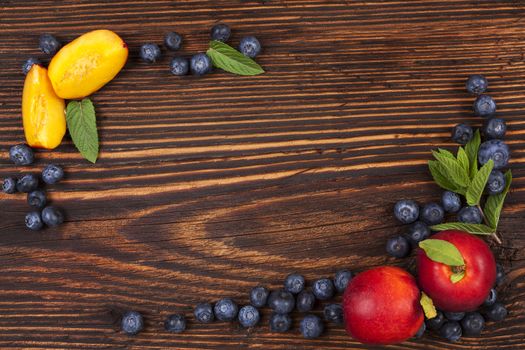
(471, 291)
(381, 306)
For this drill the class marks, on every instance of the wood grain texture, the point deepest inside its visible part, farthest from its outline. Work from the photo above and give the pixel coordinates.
(208, 186)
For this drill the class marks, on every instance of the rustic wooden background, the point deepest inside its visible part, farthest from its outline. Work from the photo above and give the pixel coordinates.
(208, 186)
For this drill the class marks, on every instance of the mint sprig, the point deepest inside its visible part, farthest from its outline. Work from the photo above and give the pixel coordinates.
(82, 125)
(225, 57)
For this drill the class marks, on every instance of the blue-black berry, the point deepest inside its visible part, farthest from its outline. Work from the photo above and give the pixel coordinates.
(132, 322)
(37, 199)
(470, 215)
(451, 202)
(249, 316)
(341, 280)
(31, 61)
(21, 154)
(435, 323)
(9, 185)
(406, 211)
(27, 183)
(477, 84)
(250, 46)
(259, 296)
(496, 150)
(454, 316)
(150, 53)
(311, 327)
(496, 312)
(421, 331)
(462, 133)
(175, 323)
(323, 289)
(305, 301)
(294, 283)
(417, 232)
(200, 64)
(220, 32)
(52, 216)
(281, 301)
(280, 322)
(173, 41)
(484, 106)
(432, 214)
(500, 274)
(494, 128)
(179, 66)
(496, 182)
(204, 313)
(472, 324)
(49, 44)
(398, 247)
(33, 221)
(451, 331)
(333, 313)
(226, 310)
(52, 174)
(492, 297)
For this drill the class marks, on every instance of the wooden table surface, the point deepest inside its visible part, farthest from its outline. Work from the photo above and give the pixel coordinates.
(206, 187)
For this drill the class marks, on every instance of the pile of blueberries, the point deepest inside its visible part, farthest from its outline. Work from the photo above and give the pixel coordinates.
(42, 213)
(293, 295)
(452, 325)
(200, 63)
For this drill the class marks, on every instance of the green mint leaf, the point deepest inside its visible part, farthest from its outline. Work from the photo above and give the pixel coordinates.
(227, 58)
(454, 172)
(445, 153)
(463, 159)
(457, 276)
(82, 125)
(477, 229)
(471, 148)
(439, 176)
(428, 306)
(442, 251)
(477, 186)
(494, 203)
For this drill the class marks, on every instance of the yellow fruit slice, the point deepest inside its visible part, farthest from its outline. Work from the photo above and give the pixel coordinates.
(87, 63)
(43, 112)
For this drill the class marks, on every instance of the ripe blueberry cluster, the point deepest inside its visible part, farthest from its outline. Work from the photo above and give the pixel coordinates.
(42, 213)
(49, 45)
(293, 296)
(200, 63)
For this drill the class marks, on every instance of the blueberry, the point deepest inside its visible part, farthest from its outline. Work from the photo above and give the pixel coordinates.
(496, 182)
(341, 280)
(323, 289)
(451, 202)
(491, 298)
(398, 247)
(417, 232)
(259, 296)
(9, 185)
(496, 150)
(462, 133)
(249, 316)
(451, 331)
(454, 316)
(49, 44)
(421, 331)
(500, 274)
(27, 183)
(436, 322)
(333, 313)
(150, 53)
(305, 301)
(294, 283)
(52, 216)
(226, 310)
(173, 41)
(175, 323)
(432, 214)
(311, 327)
(132, 322)
(34, 221)
(52, 174)
(250, 46)
(484, 106)
(406, 211)
(37, 199)
(200, 64)
(281, 302)
(477, 84)
(473, 323)
(280, 323)
(220, 32)
(496, 312)
(494, 128)
(179, 66)
(470, 215)
(21, 154)
(204, 313)
(31, 61)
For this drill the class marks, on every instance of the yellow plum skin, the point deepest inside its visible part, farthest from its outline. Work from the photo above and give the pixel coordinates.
(43, 112)
(87, 63)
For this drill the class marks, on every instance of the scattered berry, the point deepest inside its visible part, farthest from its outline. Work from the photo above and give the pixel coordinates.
(484, 106)
(21, 154)
(333, 313)
(220, 32)
(49, 44)
(150, 53)
(470, 215)
(33, 221)
(477, 84)
(132, 322)
(52, 216)
(250, 46)
(341, 280)
(173, 41)
(454, 316)
(27, 183)
(421, 331)
(500, 274)
(31, 61)
(451, 331)
(179, 66)
(52, 174)
(417, 232)
(37, 199)
(311, 327)
(435, 323)
(462, 133)
(294, 283)
(200, 64)
(496, 312)
(473, 323)
(226, 310)
(204, 313)
(259, 296)
(281, 302)
(249, 316)
(280, 323)
(175, 323)
(305, 301)
(323, 289)
(496, 150)
(496, 182)
(491, 298)
(432, 214)
(9, 185)
(451, 202)
(398, 247)
(494, 128)
(406, 211)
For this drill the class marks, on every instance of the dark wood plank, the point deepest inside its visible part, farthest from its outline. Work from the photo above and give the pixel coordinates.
(208, 186)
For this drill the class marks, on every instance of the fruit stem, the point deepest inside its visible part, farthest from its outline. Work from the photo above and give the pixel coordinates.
(494, 234)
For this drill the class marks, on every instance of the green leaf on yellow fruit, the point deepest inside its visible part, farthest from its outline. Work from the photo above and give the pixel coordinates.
(442, 251)
(428, 306)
